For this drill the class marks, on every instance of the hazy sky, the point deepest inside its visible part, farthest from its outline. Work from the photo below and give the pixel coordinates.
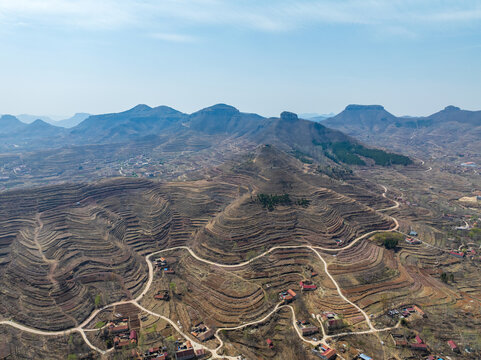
(65, 56)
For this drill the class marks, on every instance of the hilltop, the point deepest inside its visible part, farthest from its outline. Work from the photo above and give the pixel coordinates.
(170, 142)
(447, 133)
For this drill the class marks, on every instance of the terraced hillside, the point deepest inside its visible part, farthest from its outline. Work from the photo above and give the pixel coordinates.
(63, 246)
(233, 240)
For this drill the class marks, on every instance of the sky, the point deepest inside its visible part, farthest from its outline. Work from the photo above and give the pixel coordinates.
(415, 57)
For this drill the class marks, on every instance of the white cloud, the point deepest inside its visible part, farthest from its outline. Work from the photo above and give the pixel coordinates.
(172, 37)
(166, 16)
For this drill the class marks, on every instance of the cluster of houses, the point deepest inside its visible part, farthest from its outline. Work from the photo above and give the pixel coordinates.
(123, 336)
(162, 265)
(155, 353)
(183, 351)
(290, 295)
(406, 312)
(469, 253)
(418, 344)
(202, 332)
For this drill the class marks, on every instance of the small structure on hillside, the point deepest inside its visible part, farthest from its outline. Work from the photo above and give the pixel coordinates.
(419, 311)
(364, 357)
(185, 351)
(162, 295)
(399, 340)
(287, 296)
(306, 328)
(412, 241)
(413, 233)
(169, 271)
(202, 332)
(133, 336)
(419, 344)
(324, 352)
(270, 343)
(307, 285)
(453, 346)
(160, 262)
(457, 254)
(332, 321)
(328, 354)
(117, 329)
(339, 242)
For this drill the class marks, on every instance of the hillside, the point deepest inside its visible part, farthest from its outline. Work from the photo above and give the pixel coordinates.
(10, 124)
(71, 121)
(170, 144)
(234, 237)
(451, 132)
(86, 239)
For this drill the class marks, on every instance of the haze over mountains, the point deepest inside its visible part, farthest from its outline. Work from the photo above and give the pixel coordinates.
(57, 121)
(163, 125)
(372, 124)
(449, 131)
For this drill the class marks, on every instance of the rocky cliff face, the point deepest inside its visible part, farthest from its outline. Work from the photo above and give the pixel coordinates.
(289, 116)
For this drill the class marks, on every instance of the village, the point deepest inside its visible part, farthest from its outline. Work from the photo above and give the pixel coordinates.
(123, 332)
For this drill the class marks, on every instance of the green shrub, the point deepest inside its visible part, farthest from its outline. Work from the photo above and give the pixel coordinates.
(389, 240)
(348, 153)
(270, 201)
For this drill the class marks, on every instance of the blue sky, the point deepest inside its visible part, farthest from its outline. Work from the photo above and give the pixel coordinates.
(265, 56)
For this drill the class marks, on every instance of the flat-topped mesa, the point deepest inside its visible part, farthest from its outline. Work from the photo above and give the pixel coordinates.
(289, 116)
(451, 108)
(364, 107)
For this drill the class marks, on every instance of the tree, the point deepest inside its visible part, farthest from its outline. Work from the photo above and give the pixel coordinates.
(444, 278)
(390, 243)
(97, 300)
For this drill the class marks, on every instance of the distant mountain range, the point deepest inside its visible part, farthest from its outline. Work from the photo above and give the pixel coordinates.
(449, 132)
(66, 123)
(173, 130)
(316, 116)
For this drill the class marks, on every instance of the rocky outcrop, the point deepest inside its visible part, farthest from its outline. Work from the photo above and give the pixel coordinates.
(289, 116)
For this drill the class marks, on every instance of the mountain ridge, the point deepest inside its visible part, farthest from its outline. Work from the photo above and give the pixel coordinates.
(172, 129)
(451, 129)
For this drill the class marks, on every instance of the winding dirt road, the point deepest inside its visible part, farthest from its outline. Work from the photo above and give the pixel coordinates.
(215, 352)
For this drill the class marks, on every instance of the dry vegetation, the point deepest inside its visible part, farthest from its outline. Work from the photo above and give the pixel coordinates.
(64, 246)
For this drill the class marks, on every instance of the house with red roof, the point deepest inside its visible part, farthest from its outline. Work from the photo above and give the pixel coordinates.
(459, 255)
(307, 285)
(328, 354)
(453, 346)
(133, 336)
